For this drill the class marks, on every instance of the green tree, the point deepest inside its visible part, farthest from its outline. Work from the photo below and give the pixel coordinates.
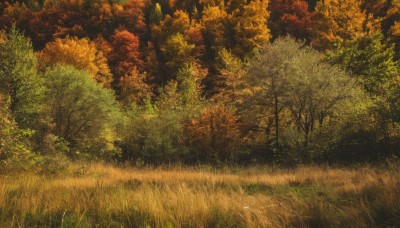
(14, 147)
(319, 97)
(153, 132)
(229, 83)
(371, 58)
(315, 96)
(268, 74)
(189, 84)
(19, 80)
(177, 52)
(84, 113)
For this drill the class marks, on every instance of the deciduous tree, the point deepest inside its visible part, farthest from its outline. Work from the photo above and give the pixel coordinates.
(250, 28)
(80, 53)
(19, 80)
(338, 20)
(83, 112)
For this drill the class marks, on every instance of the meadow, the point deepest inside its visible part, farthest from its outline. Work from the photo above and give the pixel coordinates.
(99, 195)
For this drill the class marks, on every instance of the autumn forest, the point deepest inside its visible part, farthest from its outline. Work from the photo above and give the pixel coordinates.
(133, 84)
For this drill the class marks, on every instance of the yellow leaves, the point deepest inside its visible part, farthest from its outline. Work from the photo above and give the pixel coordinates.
(394, 15)
(339, 20)
(214, 20)
(134, 88)
(80, 53)
(251, 26)
(395, 29)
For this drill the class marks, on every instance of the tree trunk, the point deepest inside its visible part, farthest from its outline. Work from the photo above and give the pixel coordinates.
(276, 123)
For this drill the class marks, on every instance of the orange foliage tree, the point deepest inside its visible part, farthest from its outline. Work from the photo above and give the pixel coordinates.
(339, 20)
(80, 53)
(134, 87)
(251, 29)
(125, 54)
(215, 134)
(290, 17)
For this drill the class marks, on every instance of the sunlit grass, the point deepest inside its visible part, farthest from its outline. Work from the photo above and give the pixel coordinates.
(106, 196)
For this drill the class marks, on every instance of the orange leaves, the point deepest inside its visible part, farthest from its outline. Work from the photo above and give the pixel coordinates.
(290, 17)
(80, 53)
(134, 87)
(125, 55)
(215, 131)
(340, 20)
(251, 29)
(395, 29)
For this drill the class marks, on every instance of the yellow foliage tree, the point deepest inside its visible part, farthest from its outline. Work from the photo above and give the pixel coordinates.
(134, 87)
(80, 53)
(214, 21)
(340, 20)
(393, 18)
(251, 29)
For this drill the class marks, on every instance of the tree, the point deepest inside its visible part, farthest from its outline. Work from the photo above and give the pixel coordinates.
(292, 78)
(189, 79)
(179, 22)
(268, 76)
(80, 53)
(13, 144)
(179, 40)
(391, 25)
(319, 96)
(338, 20)
(391, 17)
(177, 52)
(250, 28)
(125, 54)
(378, 8)
(229, 83)
(214, 134)
(371, 58)
(154, 132)
(83, 112)
(130, 14)
(134, 87)
(215, 22)
(156, 15)
(19, 80)
(290, 18)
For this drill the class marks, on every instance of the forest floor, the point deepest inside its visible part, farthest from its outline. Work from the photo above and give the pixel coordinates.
(98, 195)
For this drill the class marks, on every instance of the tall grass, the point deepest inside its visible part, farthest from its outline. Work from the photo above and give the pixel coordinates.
(106, 196)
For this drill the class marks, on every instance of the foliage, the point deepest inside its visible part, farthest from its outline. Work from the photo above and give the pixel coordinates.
(290, 18)
(125, 55)
(80, 53)
(14, 147)
(83, 112)
(295, 79)
(251, 29)
(153, 133)
(338, 21)
(19, 80)
(370, 58)
(134, 87)
(214, 135)
(181, 68)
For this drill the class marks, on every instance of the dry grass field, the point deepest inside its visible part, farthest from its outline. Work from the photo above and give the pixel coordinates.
(104, 196)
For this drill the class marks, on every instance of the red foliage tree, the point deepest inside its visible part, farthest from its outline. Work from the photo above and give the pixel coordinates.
(125, 54)
(290, 17)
